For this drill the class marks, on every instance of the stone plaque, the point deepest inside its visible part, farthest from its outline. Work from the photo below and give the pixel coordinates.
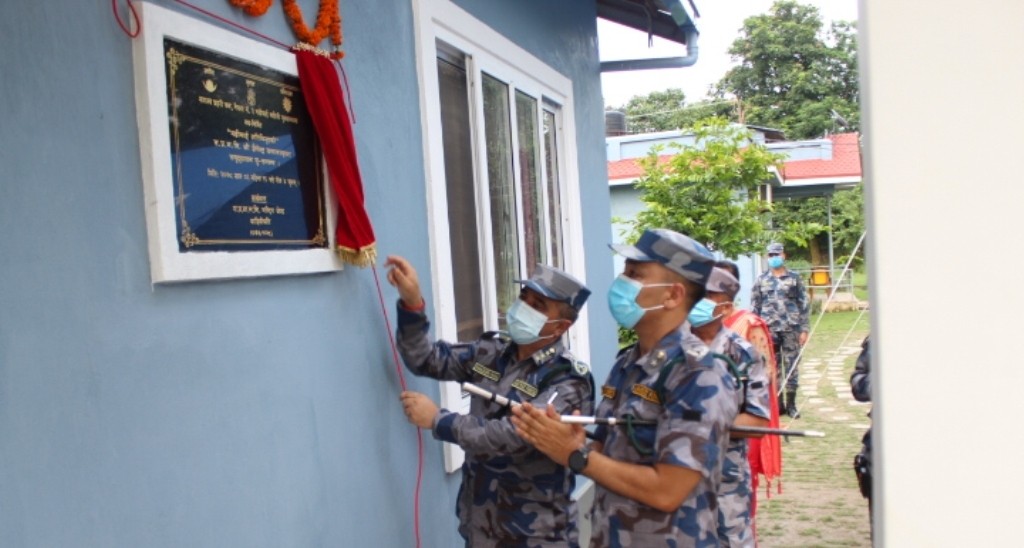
(233, 176)
(245, 159)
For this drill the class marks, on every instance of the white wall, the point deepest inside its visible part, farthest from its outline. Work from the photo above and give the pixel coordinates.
(937, 77)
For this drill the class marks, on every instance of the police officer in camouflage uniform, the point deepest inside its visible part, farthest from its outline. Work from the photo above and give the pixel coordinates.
(779, 297)
(656, 484)
(735, 523)
(511, 494)
(860, 386)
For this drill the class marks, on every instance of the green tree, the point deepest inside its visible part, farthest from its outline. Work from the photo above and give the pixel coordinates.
(802, 223)
(709, 191)
(798, 223)
(667, 110)
(793, 73)
(848, 222)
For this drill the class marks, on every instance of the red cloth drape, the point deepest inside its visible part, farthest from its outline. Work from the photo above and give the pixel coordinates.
(354, 237)
(764, 454)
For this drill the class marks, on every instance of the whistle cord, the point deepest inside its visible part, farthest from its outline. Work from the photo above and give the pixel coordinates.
(401, 382)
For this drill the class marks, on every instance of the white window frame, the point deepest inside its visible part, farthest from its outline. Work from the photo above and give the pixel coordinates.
(490, 52)
(167, 263)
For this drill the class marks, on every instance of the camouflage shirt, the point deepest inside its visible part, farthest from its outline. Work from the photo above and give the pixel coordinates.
(860, 379)
(781, 301)
(511, 494)
(735, 522)
(692, 431)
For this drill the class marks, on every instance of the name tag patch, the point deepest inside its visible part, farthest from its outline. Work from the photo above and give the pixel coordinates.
(525, 387)
(486, 372)
(646, 392)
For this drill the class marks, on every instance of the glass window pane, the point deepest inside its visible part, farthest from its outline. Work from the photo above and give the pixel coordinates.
(553, 186)
(458, 170)
(529, 180)
(504, 229)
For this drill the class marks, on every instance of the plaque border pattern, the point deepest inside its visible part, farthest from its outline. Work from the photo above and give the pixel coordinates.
(175, 60)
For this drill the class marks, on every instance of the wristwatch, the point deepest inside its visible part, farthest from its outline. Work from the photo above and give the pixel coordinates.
(578, 459)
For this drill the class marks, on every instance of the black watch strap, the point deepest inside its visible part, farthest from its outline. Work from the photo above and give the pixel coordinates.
(578, 459)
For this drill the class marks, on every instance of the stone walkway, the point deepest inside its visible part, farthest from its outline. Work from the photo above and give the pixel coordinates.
(829, 371)
(819, 503)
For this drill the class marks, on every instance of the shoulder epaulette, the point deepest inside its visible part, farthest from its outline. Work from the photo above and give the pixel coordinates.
(580, 368)
(697, 353)
(491, 335)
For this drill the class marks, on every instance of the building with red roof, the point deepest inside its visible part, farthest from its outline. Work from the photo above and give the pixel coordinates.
(814, 167)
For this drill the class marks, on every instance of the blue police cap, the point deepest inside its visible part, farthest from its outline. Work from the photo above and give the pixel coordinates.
(676, 252)
(775, 247)
(557, 285)
(722, 281)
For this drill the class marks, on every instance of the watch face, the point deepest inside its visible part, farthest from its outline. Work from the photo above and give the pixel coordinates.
(578, 461)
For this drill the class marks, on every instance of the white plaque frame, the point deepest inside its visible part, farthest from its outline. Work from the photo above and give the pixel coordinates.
(167, 263)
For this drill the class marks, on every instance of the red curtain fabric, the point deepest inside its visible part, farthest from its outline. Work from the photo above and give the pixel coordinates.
(354, 239)
(765, 454)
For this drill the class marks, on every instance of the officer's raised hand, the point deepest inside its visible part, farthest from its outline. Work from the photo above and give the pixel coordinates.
(403, 276)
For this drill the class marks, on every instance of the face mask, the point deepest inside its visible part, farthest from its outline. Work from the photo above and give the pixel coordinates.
(622, 301)
(525, 323)
(703, 313)
(775, 262)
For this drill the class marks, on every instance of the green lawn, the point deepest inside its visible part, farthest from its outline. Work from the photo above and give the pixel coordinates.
(860, 285)
(819, 504)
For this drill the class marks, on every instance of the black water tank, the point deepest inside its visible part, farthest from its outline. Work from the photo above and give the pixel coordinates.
(614, 123)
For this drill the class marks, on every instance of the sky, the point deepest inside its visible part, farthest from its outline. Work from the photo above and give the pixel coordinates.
(718, 25)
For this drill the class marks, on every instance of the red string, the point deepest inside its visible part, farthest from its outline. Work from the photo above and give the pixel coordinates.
(401, 381)
(233, 24)
(348, 94)
(126, 28)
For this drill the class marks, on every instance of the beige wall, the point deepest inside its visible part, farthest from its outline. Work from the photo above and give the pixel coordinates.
(943, 88)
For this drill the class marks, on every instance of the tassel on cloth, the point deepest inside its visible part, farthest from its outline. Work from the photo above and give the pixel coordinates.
(362, 258)
(354, 238)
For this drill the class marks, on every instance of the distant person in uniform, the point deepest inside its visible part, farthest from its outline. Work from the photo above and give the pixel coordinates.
(779, 297)
(511, 494)
(657, 483)
(735, 519)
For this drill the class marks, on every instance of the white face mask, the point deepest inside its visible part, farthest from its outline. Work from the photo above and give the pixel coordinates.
(622, 300)
(703, 313)
(525, 323)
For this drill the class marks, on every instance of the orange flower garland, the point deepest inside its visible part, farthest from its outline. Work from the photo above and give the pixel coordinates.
(328, 22)
(254, 8)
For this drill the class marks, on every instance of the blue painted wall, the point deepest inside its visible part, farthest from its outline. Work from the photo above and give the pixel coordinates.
(259, 412)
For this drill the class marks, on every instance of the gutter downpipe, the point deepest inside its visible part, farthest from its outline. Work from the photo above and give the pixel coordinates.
(689, 30)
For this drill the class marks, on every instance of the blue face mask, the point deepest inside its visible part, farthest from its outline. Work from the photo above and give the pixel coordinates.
(775, 262)
(525, 323)
(622, 301)
(703, 313)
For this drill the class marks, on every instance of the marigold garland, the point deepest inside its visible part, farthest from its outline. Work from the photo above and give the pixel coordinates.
(328, 21)
(254, 8)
